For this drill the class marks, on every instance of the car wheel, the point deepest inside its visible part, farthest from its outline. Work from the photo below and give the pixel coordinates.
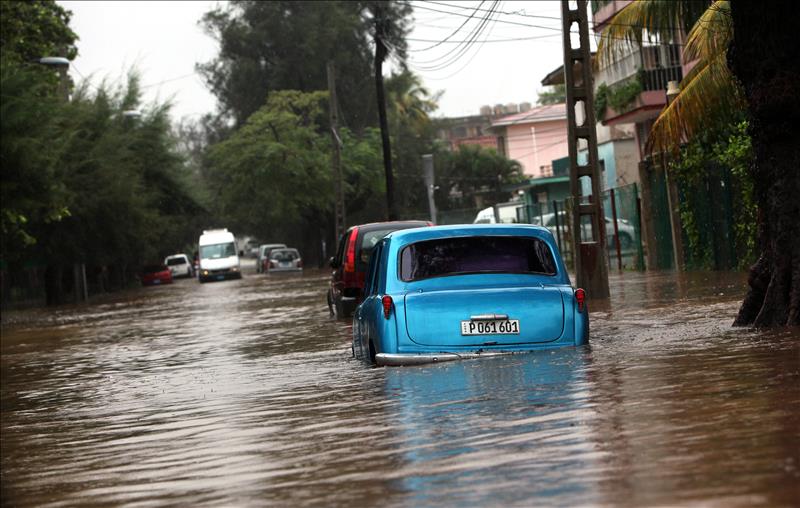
(330, 306)
(372, 352)
(338, 310)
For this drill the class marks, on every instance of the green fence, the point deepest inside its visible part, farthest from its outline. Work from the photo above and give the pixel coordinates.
(620, 206)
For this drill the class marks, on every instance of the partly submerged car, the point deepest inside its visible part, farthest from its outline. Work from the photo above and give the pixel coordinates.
(351, 261)
(179, 265)
(154, 275)
(450, 292)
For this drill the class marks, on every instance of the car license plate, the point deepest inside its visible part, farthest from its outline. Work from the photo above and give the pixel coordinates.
(220, 277)
(285, 263)
(157, 281)
(491, 327)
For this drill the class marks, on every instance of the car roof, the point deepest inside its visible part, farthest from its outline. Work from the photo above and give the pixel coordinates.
(173, 256)
(383, 225)
(407, 236)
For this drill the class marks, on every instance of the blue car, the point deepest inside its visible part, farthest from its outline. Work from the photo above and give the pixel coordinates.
(450, 292)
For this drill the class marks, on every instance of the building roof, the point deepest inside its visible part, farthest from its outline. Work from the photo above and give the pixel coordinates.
(537, 114)
(556, 76)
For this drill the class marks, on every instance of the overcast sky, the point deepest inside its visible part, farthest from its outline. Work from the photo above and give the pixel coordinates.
(164, 41)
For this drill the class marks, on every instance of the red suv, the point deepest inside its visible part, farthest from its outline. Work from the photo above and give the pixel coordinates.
(351, 260)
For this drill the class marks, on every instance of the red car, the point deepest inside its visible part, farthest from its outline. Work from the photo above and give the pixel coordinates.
(351, 260)
(155, 275)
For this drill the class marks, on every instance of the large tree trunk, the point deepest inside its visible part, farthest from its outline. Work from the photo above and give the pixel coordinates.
(764, 57)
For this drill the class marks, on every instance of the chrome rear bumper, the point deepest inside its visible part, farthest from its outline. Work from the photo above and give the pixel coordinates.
(397, 360)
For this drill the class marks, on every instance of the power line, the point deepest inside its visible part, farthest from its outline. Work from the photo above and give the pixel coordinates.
(461, 48)
(512, 39)
(455, 31)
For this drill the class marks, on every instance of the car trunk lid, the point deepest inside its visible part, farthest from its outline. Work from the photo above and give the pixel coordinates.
(434, 318)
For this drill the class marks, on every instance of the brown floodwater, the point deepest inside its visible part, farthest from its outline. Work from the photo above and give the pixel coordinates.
(244, 393)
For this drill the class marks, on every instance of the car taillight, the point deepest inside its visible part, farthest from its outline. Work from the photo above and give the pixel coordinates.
(387, 306)
(350, 260)
(580, 297)
(299, 263)
(272, 264)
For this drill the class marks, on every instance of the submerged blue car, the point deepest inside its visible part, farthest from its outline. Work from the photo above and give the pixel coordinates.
(449, 292)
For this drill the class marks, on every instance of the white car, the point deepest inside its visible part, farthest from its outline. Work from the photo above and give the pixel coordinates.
(179, 265)
(262, 259)
(627, 233)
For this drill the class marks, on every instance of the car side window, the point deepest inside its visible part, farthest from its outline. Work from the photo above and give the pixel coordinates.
(371, 284)
(340, 249)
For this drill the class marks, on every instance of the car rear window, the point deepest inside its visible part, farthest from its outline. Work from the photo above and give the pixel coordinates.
(284, 255)
(176, 261)
(476, 254)
(369, 239)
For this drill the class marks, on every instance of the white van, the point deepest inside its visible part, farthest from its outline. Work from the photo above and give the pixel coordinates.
(218, 257)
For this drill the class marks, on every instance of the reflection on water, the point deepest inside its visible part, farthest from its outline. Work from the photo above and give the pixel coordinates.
(244, 392)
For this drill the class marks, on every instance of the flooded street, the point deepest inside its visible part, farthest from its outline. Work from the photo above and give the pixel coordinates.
(244, 393)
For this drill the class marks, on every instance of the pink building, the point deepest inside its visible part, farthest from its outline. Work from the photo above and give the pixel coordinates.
(534, 138)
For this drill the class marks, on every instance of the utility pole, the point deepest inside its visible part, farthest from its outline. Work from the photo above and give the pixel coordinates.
(427, 169)
(336, 160)
(591, 270)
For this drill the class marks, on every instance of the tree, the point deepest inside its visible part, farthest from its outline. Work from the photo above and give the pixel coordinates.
(30, 30)
(763, 57)
(30, 146)
(472, 171)
(754, 44)
(272, 176)
(409, 105)
(556, 95)
(285, 45)
(708, 97)
(389, 25)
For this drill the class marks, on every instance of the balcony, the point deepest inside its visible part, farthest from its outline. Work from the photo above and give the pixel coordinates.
(633, 88)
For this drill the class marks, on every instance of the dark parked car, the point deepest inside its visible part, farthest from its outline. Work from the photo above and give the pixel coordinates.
(154, 275)
(351, 261)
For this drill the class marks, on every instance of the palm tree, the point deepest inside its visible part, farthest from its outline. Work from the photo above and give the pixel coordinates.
(409, 101)
(709, 95)
(389, 20)
(754, 67)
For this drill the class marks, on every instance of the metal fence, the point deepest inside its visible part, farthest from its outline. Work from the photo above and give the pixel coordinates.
(622, 226)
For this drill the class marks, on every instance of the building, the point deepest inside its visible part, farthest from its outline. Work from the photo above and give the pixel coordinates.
(534, 138)
(475, 129)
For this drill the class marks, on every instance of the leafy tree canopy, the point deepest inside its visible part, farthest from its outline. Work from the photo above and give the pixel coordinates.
(285, 45)
(557, 94)
(272, 175)
(472, 171)
(33, 29)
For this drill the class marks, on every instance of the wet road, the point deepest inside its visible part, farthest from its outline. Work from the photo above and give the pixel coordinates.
(244, 393)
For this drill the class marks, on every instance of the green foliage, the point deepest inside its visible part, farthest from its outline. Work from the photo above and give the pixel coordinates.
(737, 154)
(82, 183)
(717, 159)
(272, 176)
(30, 147)
(472, 171)
(32, 29)
(617, 97)
(556, 95)
(409, 105)
(285, 45)
(600, 101)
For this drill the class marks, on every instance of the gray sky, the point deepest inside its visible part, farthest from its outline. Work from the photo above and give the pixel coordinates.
(163, 41)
